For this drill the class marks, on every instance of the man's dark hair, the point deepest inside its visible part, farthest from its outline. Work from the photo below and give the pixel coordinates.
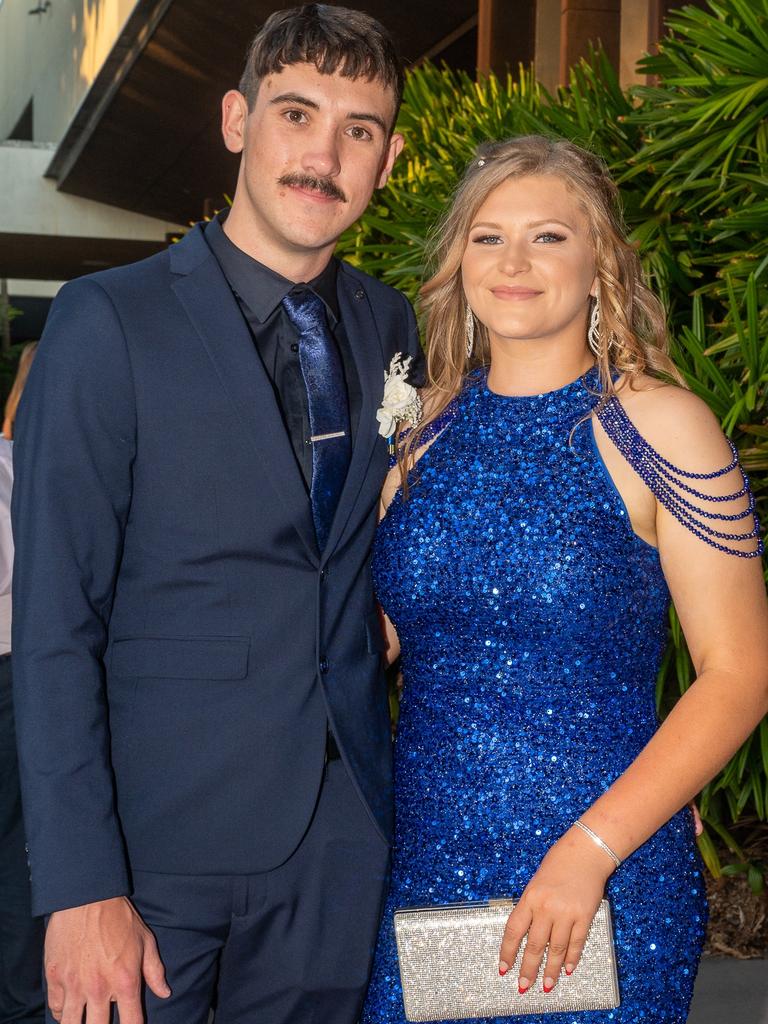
(333, 39)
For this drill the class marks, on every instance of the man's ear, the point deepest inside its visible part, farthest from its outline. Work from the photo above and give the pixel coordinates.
(394, 149)
(234, 111)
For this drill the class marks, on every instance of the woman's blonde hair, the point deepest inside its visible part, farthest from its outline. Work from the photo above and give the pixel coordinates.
(12, 403)
(632, 319)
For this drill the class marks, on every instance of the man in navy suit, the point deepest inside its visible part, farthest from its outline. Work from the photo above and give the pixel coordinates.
(202, 719)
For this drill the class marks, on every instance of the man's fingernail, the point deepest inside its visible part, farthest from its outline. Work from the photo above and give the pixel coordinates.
(569, 969)
(548, 984)
(503, 968)
(523, 984)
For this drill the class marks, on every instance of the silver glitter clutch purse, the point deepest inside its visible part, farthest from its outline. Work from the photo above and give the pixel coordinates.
(449, 965)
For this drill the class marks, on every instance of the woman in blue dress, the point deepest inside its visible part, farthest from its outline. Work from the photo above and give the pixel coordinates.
(559, 488)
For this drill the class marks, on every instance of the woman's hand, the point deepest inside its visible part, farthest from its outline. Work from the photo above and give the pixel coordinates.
(556, 908)
(698, 825)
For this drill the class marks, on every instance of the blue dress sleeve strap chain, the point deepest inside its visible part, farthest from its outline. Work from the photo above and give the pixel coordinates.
(667, 482)
(430, 432)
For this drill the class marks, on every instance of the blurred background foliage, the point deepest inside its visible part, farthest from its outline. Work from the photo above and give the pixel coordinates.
(690, 152)
(9, 353)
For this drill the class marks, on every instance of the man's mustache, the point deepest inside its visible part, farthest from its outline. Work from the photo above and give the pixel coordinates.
(325, 185)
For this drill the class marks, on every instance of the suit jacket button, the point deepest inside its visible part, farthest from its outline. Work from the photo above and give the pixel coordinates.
(324, 665)
(359, 294)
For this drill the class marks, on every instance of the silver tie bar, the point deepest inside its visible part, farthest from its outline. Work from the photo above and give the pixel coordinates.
(327, 437)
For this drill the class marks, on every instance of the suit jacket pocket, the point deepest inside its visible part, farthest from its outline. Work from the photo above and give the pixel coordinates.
(374, 634)
(162, 657)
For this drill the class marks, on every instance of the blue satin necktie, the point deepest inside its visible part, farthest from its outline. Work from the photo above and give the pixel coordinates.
(328, 406)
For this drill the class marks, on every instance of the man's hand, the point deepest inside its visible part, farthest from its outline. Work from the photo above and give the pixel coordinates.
(97, 954)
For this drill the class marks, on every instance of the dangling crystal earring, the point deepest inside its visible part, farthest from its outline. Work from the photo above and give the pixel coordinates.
(470, 324)
(593, 334)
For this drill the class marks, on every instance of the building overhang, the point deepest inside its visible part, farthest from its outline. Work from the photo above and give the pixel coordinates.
(47, 235)
(44, 257)
(146, 137)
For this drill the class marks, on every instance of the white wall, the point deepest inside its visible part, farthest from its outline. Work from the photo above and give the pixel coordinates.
(53, 58)
(33, 289)
(30, 204)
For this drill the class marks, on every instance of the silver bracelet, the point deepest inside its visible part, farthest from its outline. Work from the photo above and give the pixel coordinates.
(596, 839)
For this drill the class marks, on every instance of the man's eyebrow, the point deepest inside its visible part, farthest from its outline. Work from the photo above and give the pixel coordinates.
(295, 97)
(371, 118)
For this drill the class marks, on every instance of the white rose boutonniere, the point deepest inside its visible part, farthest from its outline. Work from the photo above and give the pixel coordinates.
(401, 400)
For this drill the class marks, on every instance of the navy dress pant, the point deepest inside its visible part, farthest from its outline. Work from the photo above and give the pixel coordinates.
(288, 946)
(21, 935)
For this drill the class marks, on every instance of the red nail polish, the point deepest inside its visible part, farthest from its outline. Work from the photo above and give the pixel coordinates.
(568, 973)
(522, 990)
(502, 972)
(548, 989)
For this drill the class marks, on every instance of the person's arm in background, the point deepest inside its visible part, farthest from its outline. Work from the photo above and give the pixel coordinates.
(6, 536)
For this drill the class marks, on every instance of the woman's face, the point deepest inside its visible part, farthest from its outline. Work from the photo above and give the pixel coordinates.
(528, 269)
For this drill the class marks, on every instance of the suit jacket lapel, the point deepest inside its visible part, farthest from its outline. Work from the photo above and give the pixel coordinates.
(204, 293)
(364, 340)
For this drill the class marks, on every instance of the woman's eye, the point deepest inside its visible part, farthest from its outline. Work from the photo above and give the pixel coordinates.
(549, 236)
(487, 240)
(359, 133)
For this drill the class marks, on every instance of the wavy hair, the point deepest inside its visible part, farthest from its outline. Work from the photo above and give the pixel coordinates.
(632, 319)
(12, 403)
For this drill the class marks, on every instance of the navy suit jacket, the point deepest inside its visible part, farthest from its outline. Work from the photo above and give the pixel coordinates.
(180, 644)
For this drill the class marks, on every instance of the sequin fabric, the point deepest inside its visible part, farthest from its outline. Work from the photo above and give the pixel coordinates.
(532, 622)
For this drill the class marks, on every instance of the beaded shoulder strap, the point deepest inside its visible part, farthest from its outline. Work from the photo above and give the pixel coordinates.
(668, 484)
(431, 430)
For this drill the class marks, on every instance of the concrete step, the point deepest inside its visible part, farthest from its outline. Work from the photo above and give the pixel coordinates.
(730, 991)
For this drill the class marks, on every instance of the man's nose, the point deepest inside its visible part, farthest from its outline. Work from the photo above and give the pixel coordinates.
(321, 158)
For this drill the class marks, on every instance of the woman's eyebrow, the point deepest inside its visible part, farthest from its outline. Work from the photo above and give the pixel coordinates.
(530, 224)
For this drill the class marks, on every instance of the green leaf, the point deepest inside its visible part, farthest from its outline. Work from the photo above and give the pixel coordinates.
(755, 879)
(709, 854)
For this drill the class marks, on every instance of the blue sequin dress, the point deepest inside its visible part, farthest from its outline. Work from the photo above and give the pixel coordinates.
(532, 621)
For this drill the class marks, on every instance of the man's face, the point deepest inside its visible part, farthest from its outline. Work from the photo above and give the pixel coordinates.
(314, 148)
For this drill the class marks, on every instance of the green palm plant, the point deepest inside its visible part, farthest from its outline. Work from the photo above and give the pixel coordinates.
(691, 155)
(731, 375)
(705, 131)
(705, 127)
